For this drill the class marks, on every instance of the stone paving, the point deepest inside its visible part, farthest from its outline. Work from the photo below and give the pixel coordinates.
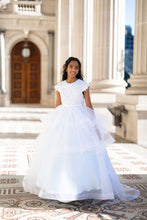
(18, 129)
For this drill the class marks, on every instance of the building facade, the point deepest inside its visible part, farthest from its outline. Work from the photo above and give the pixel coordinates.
(27, 25)
(58, 29)
(129, 45)
(36, 37)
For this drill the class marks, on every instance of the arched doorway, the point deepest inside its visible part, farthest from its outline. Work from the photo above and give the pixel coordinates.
(25, 73)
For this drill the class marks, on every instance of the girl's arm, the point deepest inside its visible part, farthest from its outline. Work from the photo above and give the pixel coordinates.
(87, 98)
(58, 99)
(88, 103)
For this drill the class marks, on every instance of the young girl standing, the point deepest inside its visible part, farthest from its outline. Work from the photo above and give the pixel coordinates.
(71, 161)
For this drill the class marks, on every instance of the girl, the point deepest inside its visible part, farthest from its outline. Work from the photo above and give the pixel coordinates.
(71, 161)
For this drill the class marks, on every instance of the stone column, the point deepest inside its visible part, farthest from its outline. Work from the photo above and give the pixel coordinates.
(135, 101)
(138, 80)
(88, 40)
(108, 46)
(2, 62)
(77, 28)
(51, 61)
(70, 39)
(62, 35)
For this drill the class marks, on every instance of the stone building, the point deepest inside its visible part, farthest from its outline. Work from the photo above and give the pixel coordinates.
(129, 45)
(36, 37)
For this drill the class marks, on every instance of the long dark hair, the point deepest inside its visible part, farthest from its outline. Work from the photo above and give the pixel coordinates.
(64, 73)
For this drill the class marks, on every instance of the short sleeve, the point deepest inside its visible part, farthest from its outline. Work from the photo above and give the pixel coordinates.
(85, 86)
(58, 87)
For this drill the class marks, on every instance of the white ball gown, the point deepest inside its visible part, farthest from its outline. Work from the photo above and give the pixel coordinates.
(71, 161)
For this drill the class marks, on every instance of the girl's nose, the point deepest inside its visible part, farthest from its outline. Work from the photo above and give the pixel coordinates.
(73, 68)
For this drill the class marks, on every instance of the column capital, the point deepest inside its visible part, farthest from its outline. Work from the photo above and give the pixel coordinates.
(116, 86)
(138, 85)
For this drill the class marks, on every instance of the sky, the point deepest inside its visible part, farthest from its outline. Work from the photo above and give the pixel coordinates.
(130, 14)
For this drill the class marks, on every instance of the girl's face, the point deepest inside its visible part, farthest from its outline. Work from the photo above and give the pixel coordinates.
(72, 69)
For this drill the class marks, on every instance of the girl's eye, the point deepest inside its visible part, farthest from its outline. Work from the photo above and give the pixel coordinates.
(71, 66)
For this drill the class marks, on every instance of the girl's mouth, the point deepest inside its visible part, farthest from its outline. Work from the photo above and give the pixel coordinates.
(73, 73)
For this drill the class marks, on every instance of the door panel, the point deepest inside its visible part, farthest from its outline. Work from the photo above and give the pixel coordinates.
(33, 80)
(18, 82)
(25, 79)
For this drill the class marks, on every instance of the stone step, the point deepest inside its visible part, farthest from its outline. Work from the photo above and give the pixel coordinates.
(20, 127)
(24, 109)
(11, 136)
(17, 116)
(21, 122)
(23, 113)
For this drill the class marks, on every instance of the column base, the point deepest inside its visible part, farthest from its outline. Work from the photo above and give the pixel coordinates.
(108, 86)
(3, 99)
(135, 122)
(138, 85)
(49, 100)
(100, 102)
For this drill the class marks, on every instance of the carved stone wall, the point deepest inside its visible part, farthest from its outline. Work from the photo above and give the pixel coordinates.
(48, 7)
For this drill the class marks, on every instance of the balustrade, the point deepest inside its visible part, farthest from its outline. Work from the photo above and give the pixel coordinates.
(27, 7)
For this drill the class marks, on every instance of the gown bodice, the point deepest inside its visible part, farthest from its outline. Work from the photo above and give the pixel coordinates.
(72, 93)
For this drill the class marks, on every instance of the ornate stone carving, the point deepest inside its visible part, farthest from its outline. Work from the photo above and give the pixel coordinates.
(4, 3)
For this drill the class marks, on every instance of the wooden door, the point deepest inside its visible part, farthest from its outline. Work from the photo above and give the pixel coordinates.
(25, 77)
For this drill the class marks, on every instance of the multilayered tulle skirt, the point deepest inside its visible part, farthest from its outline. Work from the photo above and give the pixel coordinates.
(70, 160)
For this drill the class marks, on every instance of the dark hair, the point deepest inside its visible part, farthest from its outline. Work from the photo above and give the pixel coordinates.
(64, 73)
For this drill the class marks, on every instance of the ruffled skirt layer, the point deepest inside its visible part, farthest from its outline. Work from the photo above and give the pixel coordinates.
(71, 161)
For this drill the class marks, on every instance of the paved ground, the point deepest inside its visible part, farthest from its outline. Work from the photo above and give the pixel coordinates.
(18, 130)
